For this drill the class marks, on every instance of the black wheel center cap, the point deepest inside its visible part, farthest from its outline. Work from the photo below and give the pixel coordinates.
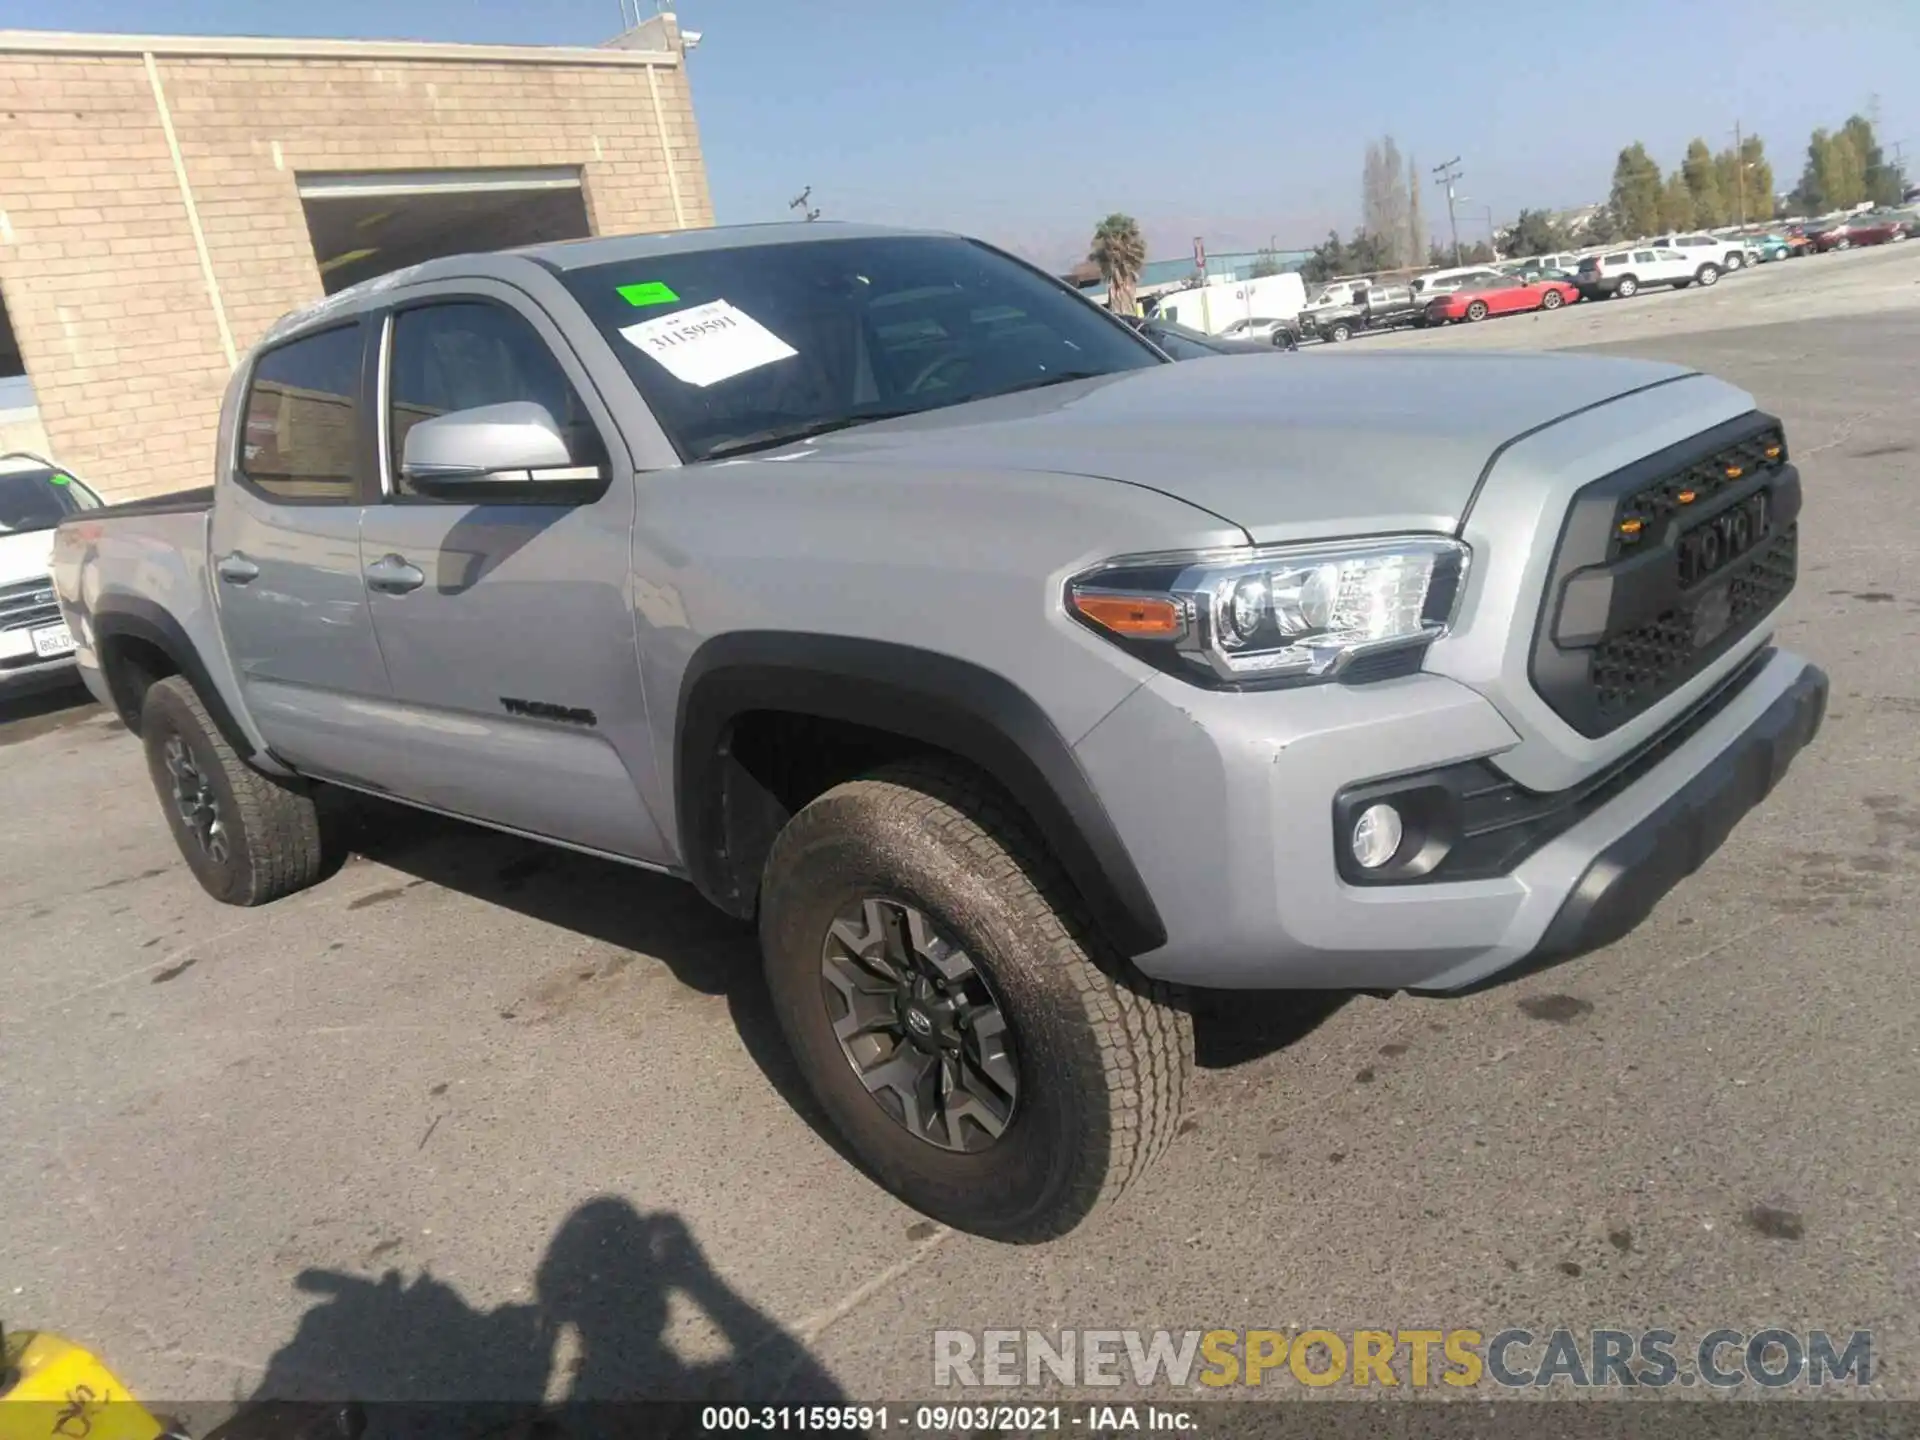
(918, 1022)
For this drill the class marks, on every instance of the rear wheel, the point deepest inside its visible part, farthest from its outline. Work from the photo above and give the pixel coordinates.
(1552, 300)
(967, 1031)
(247, 837)
(1626, 289)
(1734, 260)
(1707, 275)
(1476, 310)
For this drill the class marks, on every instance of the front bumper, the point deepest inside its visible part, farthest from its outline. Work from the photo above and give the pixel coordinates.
(1231, 828)
(24, 679)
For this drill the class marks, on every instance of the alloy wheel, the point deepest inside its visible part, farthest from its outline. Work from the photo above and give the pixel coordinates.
(195, 801)
(920, 1026)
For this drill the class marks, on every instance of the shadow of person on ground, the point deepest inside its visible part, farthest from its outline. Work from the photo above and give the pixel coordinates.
(588, 1356)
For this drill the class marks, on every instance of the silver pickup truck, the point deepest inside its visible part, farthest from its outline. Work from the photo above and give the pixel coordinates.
(1016, 681)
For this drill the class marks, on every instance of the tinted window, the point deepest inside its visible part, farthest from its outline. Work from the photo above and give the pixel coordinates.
(301, 417)
(1642, 256)
(1619, 259)
(465, 354)
(745, 347)
(40, 498)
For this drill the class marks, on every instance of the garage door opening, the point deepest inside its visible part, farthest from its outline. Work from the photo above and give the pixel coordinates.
(366, 224)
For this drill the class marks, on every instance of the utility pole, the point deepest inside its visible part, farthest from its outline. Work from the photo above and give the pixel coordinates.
(1740, 171)
(1448, 173)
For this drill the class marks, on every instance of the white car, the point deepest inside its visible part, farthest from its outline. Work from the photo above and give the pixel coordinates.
(1445, 282)
(1624, 273)
(1729, 252)
(35, 495)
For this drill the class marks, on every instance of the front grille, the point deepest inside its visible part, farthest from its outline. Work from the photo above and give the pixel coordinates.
(1639, 668)
(28, 604)
(1662, 568)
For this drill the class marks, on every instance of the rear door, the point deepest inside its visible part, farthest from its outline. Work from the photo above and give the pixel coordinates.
(286, 549)
(507, 628)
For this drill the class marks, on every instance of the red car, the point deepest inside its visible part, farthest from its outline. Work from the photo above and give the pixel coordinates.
(1876, 230)
(1505, 295)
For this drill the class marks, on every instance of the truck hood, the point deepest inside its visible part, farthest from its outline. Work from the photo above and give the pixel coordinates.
(1286, 447)
(25, 555)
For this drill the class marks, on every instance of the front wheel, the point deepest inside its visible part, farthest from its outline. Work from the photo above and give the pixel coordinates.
(247, 837)
(1735, 260)
(1340, 333)
(1626, 289)
(1552, 300)
(1843, 244)
(964, 1027)
(1477, 310)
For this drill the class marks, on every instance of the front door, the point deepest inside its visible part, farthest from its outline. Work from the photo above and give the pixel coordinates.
(506, 627)
(285, 551)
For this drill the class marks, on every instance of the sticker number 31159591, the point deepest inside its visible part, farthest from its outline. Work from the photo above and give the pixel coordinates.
(708, 343)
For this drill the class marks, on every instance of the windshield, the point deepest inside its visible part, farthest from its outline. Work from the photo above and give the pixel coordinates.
(39, 498)
(749, 347)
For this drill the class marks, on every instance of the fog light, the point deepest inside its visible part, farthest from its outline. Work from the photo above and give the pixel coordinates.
(1376, 836)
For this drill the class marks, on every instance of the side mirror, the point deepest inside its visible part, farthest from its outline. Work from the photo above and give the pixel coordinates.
(508, 452)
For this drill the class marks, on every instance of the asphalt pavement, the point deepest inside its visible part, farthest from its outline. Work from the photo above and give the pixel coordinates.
(476, 1119)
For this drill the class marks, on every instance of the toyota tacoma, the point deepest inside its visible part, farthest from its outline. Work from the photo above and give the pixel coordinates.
(1015, 681)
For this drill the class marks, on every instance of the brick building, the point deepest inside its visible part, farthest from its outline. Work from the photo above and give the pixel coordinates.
(163, 199)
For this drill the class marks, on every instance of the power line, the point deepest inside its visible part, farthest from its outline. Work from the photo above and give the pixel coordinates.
(1447, 173)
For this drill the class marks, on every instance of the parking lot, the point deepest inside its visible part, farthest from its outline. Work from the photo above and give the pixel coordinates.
(554, 1086)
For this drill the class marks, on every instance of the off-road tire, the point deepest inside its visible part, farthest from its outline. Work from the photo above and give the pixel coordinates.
(1104, 1053)
(273, 831)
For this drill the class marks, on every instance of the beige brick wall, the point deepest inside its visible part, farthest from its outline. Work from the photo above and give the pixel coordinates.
(98, 264)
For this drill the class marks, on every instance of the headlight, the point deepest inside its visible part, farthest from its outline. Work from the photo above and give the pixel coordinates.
(1277, 613)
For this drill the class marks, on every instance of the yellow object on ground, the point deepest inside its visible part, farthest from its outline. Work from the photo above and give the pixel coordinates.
(51, 1389)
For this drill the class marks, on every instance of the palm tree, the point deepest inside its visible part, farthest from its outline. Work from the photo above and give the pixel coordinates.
(1120, 253)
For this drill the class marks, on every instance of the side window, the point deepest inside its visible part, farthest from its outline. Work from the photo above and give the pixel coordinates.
(1642, 257)
(299, 433)
(467, 353)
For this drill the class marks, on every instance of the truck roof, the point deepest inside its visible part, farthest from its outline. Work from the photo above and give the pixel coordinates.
(565, 255)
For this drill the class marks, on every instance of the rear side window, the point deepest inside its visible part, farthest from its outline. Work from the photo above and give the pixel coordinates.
(1619, 259)
(1641, 257)
(301, 426)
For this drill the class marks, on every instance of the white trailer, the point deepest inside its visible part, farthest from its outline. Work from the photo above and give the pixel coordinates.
(1212, 307)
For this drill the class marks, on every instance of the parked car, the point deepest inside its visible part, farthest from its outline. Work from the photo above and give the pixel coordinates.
(1781, 246)
(1013, 679)
(1270, 332)
(1567, 261)
(1860, 230)
(1444, 282)
(1502, 295)
(35, 495)
(1379, 307)
(1727, 252)
(1624, 273)
(1183, 343)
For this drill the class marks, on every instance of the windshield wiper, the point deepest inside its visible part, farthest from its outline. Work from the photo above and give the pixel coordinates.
(776, 435)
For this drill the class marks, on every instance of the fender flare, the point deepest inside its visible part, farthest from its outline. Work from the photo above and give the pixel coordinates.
(921, 695)
(135, 618)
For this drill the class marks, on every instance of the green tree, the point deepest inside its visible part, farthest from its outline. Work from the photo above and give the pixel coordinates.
(1370, 250)
(1635, 197)
(1328, 260)
(1745, 181)
(1600, 227)
(1835, 177)
(1880, 182)
(1121, 254)
(1676, 204)
(1709, 206)
(1534, 232)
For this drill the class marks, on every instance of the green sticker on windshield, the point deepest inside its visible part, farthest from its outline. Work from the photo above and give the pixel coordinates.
(649, 292)
(58, 479)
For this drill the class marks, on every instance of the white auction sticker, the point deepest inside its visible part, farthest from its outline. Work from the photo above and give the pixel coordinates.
(708, 343)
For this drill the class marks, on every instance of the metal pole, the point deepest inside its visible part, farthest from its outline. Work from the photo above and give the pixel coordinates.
(1740, 172)
(1448, 173)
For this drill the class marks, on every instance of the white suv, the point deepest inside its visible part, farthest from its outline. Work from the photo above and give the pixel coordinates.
(1626, 272)
(1728, 252)
(1445, 282)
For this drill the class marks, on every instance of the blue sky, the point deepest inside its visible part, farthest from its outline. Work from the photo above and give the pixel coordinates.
(1238, 120)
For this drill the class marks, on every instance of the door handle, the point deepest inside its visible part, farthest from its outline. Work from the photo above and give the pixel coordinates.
(237, 569)
(394, 576)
